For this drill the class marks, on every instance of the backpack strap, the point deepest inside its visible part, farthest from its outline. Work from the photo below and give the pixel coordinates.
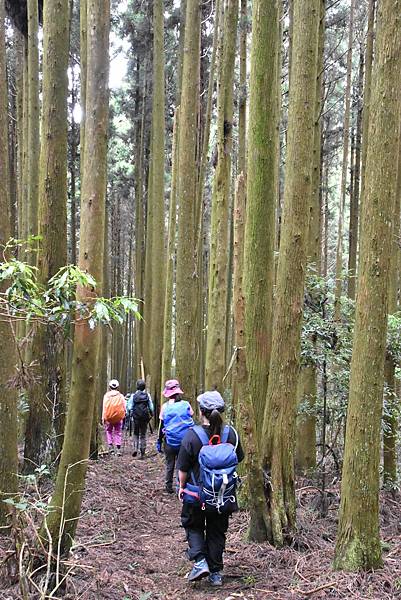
(202, 435)
(225, 434)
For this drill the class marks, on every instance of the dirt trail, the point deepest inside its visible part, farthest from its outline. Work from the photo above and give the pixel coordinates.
(130, 546)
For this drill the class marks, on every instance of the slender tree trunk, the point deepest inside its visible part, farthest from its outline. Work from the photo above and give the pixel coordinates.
(367, 89)
(218, 273)
(33, 117)
(354, 197)
(243, 406)
(307, 384)
(183, 10)
(185, 285)
(158, 235)
(263, 146)
(344, 171)
(47, 406)
(390, 417)
(70, 483)
(279, 422)
(8, 403)
(242, 88)
(358, 539)
(83, 71)
(172, 230)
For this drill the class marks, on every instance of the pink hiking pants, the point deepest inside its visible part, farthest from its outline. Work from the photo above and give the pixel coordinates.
(113, 433)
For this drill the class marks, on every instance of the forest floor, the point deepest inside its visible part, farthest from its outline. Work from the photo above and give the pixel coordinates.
(130, 546)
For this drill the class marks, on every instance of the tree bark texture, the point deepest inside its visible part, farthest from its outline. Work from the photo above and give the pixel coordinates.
(218, 273)
(70, 482)
(45, 421)
(263, 147)
(279, 422)
(8, 400)
(358, 539)
(185, 284)
(157, 199)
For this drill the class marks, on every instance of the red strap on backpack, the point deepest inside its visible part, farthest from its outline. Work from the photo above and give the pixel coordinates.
(214, 437)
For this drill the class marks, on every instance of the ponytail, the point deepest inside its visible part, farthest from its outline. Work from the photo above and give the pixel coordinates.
(216, 422)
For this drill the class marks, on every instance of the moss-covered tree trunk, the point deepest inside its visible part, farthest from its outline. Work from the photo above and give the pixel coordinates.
(185, 284)
(392, 401)
(355, 188)
(307, 384)
(344, 169)
(243, 406)
(279, 422)
(8, 400)
(157, 199)
(47, 399)
(358, 540)
(263, 146)
(218, 273)
(70, 483)
(170, 271)
(33, 117)
(242, 95)
(367, 89)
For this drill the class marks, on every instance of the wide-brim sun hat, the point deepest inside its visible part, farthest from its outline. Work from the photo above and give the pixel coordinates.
(114, 384)
(172, 388)
(211, 401)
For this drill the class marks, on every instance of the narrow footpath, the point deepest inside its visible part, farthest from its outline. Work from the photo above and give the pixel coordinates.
(130, 546)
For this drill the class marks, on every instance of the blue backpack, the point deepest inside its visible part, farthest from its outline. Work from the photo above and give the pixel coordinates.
(218, 476)
(177, 420)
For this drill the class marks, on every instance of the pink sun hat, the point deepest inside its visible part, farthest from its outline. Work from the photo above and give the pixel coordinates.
(171, 388)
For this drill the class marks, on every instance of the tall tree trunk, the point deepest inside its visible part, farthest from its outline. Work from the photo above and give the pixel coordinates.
(8, 403)
(390, 417)
(307, 384)
(70, 483)
(172, 229)
(367, 89)
(263, 147)
(47, 399)
(158, 235)
(354, 197)
(218, 272)
(242, 88)
(344, 171)
(33, 117)
(279, 421)
(358, 539)
(183, 10)
(83, 33)
(243, 406)
(185, 285)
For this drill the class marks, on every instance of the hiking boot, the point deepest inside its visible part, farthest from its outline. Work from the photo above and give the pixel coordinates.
(134, 453)
(169, 489)
(199, 570)
(142, 453)
(215, 579)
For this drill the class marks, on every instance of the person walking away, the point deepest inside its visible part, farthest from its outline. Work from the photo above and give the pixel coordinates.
(175, 420)
(207, 475)
(113, 416)
(140, 409)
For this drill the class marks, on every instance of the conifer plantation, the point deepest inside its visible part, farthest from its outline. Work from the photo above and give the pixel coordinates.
(208, 194)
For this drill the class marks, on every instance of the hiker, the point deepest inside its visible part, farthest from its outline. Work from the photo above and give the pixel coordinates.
(175, 420)
(140, 410)
(113, 415)
(207, 475)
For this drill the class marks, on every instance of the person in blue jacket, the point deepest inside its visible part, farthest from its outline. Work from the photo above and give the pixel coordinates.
(175, 420)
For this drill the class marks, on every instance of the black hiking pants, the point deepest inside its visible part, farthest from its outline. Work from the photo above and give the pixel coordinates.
(206, 535)
(140, 430)
(171, 457)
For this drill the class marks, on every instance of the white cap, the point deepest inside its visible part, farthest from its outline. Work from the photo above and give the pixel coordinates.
(113, 384)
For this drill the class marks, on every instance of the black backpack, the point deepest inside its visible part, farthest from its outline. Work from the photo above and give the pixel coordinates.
(140, 407)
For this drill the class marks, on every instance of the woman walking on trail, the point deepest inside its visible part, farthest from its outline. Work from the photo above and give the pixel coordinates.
(140, 410)
(206, 466)
(175, 420)
(113, 416)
